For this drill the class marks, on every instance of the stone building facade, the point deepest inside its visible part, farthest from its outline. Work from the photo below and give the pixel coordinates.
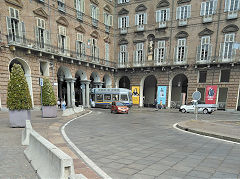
(70, 42)
(184, 45)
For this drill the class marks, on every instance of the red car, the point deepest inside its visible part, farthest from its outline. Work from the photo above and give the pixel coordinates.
(118, 107)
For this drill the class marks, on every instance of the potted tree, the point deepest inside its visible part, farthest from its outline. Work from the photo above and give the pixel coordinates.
(19, 101)
(49, 108)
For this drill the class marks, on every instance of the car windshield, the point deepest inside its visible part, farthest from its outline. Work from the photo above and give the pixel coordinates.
(119, 104)
(190, 103)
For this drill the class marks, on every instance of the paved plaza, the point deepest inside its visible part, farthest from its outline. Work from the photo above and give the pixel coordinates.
(144, 144)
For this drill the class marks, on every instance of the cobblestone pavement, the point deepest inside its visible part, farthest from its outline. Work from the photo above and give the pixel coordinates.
(13, 164)
(143, 144)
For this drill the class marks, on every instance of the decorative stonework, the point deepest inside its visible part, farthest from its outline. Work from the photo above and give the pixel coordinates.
(107, 39)
(183, 1)
(230, 28)
(123, 11)
(63, 21)
(122, 42)
(107, 8)
(139, 41)
(161, 38)
(206, 31)
(140, 7)
(17, 3)
(181, 34)
(94, 2)
(40, 12)
(163, 3)
(80, 29)
(95, 34)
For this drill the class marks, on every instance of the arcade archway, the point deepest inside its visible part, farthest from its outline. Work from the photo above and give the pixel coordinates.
(79, 87)
(124, 82)
(95, 80)
(107, 81)
(179, 90)
(27, 73)
(149, 91)
(64, 86)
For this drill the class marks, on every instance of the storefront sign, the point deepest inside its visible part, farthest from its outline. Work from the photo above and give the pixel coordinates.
(135, 94)
(162, 95)
(211, 94)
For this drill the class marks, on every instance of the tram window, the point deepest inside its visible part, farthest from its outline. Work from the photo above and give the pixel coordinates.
(115, 97)
(99, 97)
(107, 97)
(124, 97)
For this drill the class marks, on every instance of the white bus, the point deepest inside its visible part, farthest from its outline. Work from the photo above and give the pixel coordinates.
(103, 97)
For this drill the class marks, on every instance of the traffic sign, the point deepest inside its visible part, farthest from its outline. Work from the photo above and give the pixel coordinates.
(196, 95)
(41, 81)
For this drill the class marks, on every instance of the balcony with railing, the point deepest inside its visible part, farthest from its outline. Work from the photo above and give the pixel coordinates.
(79, 15)
(207, 18)
(204, 54)
(227, 53)
(94, 22)
(182, 22)
(123, 30)
(161, 25)
(56, 52)
(140, 28)
(107, 29)
(180, 57)
(61, 6)
(232, 14)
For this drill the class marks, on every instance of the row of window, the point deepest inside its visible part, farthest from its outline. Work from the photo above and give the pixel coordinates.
(17, 33)
(224, 76)
(183, 13)
(204, 51)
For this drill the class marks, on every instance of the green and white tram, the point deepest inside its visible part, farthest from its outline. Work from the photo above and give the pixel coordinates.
(103, 97)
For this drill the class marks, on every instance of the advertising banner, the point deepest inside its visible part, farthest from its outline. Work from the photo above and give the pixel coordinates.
(211, 94)
(135, 94)
(162, 95)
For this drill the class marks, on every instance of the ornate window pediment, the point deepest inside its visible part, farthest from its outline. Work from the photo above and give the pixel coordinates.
(17, 3)
(139, 41)
(140, 7)
(122, 42)
(107, 39)
(183, 1)
(230, 28)
(206, 31)
(95, 34)
(107, 8)
(80, 29)
(123, 11)
(181, 34)
(94, 2)
(40, 12)
(63, 21)
(163, 3)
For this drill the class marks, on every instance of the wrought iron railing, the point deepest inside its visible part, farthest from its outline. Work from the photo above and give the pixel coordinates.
(56, 51)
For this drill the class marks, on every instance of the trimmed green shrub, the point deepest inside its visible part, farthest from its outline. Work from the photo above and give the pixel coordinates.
(18, 96)
(48, 96)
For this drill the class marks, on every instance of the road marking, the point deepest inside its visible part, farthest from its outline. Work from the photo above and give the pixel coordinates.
(80, 153)
(223, 140)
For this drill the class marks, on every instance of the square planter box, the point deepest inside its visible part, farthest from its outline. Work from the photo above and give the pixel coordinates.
(18, 118)
(49, 111)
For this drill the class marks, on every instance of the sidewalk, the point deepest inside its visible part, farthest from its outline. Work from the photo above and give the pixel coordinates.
(227, 130)
(13, 162)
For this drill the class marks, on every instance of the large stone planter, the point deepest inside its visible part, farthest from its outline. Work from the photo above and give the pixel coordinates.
(49, 111)
(18, 118)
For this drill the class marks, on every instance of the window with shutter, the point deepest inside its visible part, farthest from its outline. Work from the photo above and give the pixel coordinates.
(181, 49)
(228, 50)
(15, 27)
(205, 48)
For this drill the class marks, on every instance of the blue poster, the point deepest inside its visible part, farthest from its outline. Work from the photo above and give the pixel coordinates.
(162, 95)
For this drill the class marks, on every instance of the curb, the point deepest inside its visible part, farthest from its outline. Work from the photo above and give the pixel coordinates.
(217, 136)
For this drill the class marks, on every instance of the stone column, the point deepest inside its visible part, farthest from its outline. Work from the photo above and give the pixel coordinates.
(87, 93)
(100, 85)
(72, 92)
(60, 83)
(68, 94)
(83, 87)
